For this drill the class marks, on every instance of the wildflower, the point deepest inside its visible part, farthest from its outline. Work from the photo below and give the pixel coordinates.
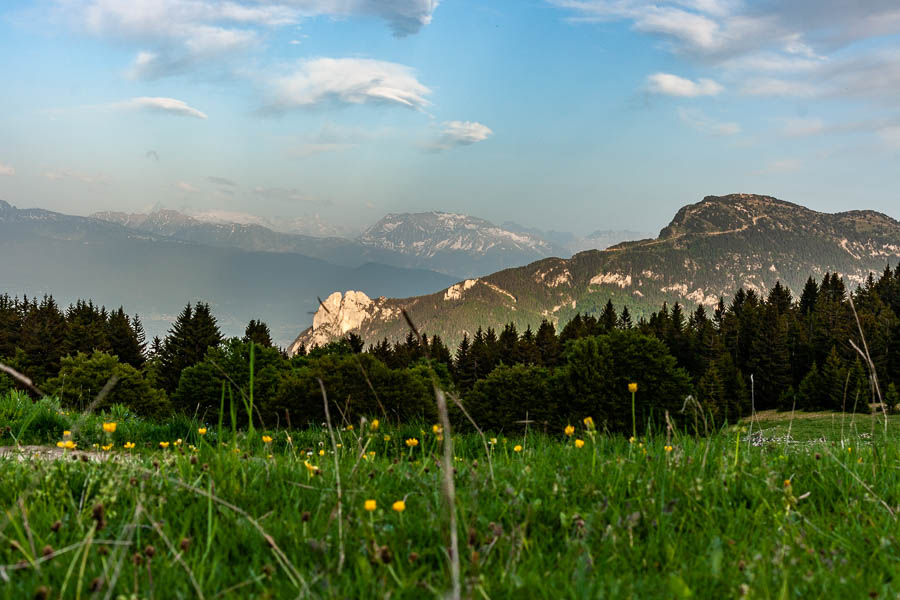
(202, 431)
(787, 483)
(859, 460)
(178, 442)
(321, 453)
(399, 506)
(668, 448)
(412, 442)
(849, 448)
(341, 445)
(436, 429)
(129, 445)
(387, 438)
(349, 427)
(517, 448)
(631, 440)
(164, 445)
(632, 387)
(569, 430)
(369, 505)
(589, 423)
(493, 441)
(375, 424)
(67, 433)
(109, 427)
(371, 454)
(106, 448)
(267, 439)
(579, 443)
(311, 468)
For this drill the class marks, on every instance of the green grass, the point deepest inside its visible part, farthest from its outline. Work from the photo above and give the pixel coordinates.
(712, 518)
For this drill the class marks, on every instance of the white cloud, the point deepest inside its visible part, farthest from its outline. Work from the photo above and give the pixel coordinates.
(461, 133)
(76, 176)
(890, 136)
(703, 123)
(673, 85)
(7, 170)
(178, 35)
(186, 187)
(767, 86)
(349, 81)
(164, 105)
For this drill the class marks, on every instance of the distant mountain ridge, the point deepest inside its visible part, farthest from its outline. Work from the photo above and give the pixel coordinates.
(453, 244)
(709, 249)
(154, 275)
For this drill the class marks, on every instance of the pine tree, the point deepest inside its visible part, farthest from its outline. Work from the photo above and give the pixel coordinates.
(86, 329)
(625, 319)
(42, 339)
(548, 344)
(258, 333)
(608, 317)
(123, 339)
(464, 367)
(192, 334)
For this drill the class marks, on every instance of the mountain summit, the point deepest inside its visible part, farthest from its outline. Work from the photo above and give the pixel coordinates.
(709, 250)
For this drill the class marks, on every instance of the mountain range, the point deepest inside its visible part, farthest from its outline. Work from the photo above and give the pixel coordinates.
(709, 250)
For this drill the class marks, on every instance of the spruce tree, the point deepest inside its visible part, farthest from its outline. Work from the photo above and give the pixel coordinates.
(258, 333)
(123, 340)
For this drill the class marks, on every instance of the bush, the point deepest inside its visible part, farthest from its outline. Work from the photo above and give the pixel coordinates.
(509, 395)
(82, 377)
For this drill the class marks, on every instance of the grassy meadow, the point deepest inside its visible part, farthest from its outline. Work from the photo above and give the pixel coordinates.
(780, 507)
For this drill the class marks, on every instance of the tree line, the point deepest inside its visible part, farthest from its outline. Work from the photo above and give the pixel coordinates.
(753, 352)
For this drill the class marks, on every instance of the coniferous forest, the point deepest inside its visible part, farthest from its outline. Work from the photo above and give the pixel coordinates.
(780, 351)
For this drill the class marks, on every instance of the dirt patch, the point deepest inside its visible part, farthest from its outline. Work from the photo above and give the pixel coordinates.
(50, 453)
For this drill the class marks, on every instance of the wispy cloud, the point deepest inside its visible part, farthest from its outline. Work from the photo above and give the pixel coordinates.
(164, 105)
(348, 81)
(673, 85)
(186, 187)
(7, 170)
(460, 133)
(66, 174)
(797, 127)
(705, 124)
(221, 181)
(174, 36)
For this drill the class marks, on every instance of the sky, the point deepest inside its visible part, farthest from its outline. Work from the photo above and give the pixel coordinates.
(571, 115)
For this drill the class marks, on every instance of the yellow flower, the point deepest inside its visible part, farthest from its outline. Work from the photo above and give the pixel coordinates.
(129, 445)
(372, 453)
(849, 448)
(202, 431)
(387, 438)
(412, 442)
(66, 444)
(493, 441)
(787, 483)
(310, 467)
(60, 444)
(164, 445)
(109, 427)
(859, 460)
(579, 443)
(349, 427)
(370, 505)
(321, 453)
(267, 439)
(632, 387)
(67, 433)
(631, 440)
(375, 424)
(178, 442)
(435, 429)
(668, 448)
(589, 423)
(517, 448)
(569, 430)
(107, 447)
(398, 506)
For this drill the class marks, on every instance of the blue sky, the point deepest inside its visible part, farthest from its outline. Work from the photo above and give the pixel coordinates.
(558, 114)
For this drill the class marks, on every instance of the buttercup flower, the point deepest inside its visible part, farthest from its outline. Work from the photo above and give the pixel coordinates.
(399, 506)
(589, 423)
(164, 445)
(412, 442)
(668, 448)
(106, 448)
(202, 431)
(387, 438)
(109, 427)
(579, 443)
(569, 430)
(321, 453)
(436, 429)
(267, 439)
(632, 387)
(375, 424)
(517, 448)
(370, 505)
(67, 433)
(129, 445)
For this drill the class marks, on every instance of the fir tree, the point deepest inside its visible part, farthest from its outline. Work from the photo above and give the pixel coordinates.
(258, 333)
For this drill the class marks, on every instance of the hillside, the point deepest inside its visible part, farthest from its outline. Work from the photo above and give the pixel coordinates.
(710, 249)
(75, 257)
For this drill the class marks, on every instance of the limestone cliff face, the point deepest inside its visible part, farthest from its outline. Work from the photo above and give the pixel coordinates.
(342, 313)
